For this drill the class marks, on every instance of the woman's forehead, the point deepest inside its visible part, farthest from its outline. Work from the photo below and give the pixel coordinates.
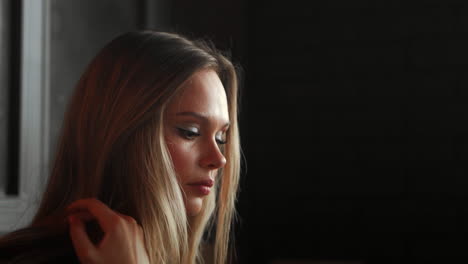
(203, 93)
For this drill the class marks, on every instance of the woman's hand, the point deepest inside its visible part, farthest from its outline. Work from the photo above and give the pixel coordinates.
(122, 241)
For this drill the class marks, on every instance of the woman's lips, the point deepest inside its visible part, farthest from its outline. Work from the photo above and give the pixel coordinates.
(202, 187)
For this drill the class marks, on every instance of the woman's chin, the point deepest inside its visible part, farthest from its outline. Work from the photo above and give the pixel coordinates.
(193, 205)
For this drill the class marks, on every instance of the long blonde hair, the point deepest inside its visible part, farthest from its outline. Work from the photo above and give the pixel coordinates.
(112, 145)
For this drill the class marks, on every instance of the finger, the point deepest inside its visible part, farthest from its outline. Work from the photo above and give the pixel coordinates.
(83, 246)
(127, 218)
(96, 208)
(131, 222)
(85, 216)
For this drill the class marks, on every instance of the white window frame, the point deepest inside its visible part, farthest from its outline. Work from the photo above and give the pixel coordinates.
(17, 211)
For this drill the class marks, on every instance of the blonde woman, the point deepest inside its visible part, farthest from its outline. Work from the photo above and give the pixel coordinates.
(148, 161)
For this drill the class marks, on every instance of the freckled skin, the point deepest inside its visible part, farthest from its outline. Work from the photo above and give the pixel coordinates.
(197, 157)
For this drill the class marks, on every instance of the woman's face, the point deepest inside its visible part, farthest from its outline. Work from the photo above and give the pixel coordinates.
(196, 123)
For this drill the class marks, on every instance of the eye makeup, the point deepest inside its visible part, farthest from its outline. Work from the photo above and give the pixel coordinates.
(189, 132)
(221, 138)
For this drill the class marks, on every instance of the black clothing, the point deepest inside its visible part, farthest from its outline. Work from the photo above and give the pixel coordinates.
(49, 250)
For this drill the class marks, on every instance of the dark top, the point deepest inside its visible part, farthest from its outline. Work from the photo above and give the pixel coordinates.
(48, 250)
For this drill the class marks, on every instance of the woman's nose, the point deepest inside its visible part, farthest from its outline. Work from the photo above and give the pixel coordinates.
(212, 157)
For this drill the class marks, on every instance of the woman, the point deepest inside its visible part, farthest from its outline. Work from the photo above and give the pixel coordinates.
(148, 160)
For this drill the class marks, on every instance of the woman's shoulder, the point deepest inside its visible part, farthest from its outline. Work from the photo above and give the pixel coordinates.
(29, 246)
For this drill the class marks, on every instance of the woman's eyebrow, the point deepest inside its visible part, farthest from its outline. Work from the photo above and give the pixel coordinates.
(199, 116)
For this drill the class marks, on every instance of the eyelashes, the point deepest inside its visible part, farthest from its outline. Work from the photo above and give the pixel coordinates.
(187, 134)
(192, 134)
(221, 142)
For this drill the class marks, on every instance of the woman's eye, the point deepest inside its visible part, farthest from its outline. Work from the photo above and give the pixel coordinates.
(188, 134)
(221, 142)
(221, 139)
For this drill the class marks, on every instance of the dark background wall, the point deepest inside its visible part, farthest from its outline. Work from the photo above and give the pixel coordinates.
(358, 136)
(354, 127)
(78, 30)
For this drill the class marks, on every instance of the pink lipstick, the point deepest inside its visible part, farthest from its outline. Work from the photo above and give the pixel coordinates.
(202, 187)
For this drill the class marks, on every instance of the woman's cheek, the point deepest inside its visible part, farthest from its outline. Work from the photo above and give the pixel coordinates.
(182, 157)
